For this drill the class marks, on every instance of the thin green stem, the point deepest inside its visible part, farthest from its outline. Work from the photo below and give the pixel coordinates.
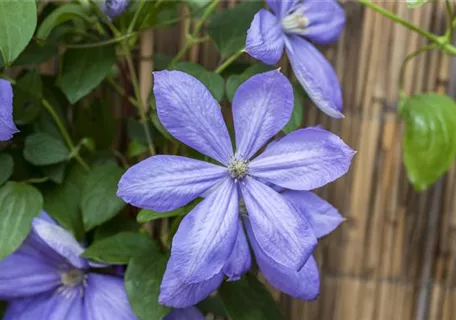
(439, 40)
(36, 180)
(229, 61)
(135, 17)
(409, 57)
(90, 45)
(450, 16)
(192, 39)
(142, 107)
(120, 91)
(65, 134)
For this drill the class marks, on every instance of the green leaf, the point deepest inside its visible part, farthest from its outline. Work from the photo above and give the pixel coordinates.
(213, 81)
(214, 305)
(234, 81)
(248, 299)
(7, 166)
(430, 137)
(62, 201)
(297, 115)
(42, 149)
(99, 201)
(120, 223)
(28, 93)
(120, 248)
(142, 283)
(135, 148)
(20, 203)
(149, 215)
(17, 25)
(415, 3)
(84, 69)
(59, 16)
(55, 173)
(229, 28)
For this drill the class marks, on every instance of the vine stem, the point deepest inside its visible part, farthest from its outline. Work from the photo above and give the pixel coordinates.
(192, 38)
(229, 61)
(66, 136)
(439, 40)
(90, 45)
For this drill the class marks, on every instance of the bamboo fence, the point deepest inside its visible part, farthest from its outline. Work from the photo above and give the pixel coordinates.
(394, 257)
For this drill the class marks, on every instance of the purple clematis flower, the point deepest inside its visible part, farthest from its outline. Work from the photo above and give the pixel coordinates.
(190, 313)
(293, 25)
(47, 279)
(7, 126)
(210, 242)
(114, 8)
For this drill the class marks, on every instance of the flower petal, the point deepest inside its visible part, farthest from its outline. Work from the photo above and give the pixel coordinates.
(316, 75)
(240, 259)
(164, 183)
(265, 39)
(49, 306)
(191, 114)
(303, 284)
(191, 313)
(281, 7)
(23, 275)
(61, 241)
(7, 126)
(179, 294)
(303, 160)
(105, 299)
(206, 236)
(282, 233)
(262, 106)
(326, 20)
(322, 216)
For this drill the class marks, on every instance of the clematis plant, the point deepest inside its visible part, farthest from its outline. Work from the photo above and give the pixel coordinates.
(47, 279)
(114, 8)
(7, 126)
(294, 25)
(210, 242)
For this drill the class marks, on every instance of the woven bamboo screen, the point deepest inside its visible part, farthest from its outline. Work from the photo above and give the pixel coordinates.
(394, 257)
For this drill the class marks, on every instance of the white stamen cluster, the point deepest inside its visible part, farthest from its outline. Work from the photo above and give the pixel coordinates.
(295, 22)
(238, 168)
(72, 282)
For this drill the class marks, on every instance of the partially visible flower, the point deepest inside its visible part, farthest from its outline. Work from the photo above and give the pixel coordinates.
(47, 279)
(114, 8)
(7, 126)
(190, 313)
(210, 242)
(293, 25)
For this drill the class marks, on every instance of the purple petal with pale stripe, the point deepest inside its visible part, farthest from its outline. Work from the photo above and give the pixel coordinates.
(105, 299)
(206, 236)
(322, 216)
(303, 284)
(265, 38)
(180, 294)
(240, 259)
(191, 313)
(326, 20)
(282, 233)
(303, 160)
(22, 276)
(164, 183)
(48, 306)
(7, 126)
(316, 75)
(61, 241)
(262, 106)
(189, 112)
(281, 7)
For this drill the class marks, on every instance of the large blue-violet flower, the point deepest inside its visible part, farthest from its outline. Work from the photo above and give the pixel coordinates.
(7, 126)
(210, 242)
(293, 25)
(47, 279)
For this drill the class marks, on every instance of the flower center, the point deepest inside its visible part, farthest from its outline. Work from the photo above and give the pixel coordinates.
(72, 282)
(238, 168)
(295, 21)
